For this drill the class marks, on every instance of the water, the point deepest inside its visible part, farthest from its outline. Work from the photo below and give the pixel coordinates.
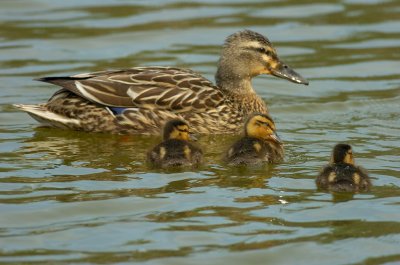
(70, 197)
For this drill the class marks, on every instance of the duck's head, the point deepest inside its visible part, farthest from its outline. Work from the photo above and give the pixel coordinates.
(262, 127)
(342, 153)
(176, 129)
(246, 54)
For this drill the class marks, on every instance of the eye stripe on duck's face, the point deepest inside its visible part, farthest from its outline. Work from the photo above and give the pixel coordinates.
(264, 51)
(265, 122)
(268, 59)
(260, 127)
(180, 132)
(183, 128)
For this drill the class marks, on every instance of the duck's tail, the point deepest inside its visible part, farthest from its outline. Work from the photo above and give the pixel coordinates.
(47, 118)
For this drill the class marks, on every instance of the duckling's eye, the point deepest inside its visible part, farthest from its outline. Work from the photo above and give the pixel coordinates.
(260, 123)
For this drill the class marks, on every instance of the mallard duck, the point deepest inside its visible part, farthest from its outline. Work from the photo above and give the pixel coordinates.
(175, 150)
(260, 144)
(142, 99)
(342, 174)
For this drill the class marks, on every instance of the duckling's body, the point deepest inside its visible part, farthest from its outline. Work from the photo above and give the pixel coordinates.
(259, 145)
(175, 150)
(342, 175)
(253, 151)
(142, 99)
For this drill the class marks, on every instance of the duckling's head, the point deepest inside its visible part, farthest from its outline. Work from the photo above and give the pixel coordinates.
(176, 129)
(246, 54)
(342, 153)
(261, 126)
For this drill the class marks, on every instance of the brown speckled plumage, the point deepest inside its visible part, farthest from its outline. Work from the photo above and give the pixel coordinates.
(142, 99)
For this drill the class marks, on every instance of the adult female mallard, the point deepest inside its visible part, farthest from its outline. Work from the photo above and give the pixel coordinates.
(142, 99)
(342, 174)
(260, 144)
(175, 150)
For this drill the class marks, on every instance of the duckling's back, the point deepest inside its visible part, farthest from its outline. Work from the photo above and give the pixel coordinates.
(173, 153)
(343, 177)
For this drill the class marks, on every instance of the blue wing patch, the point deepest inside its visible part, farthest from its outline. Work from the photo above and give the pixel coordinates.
(117, 110)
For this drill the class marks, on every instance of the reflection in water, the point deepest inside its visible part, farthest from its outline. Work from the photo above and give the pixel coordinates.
(342, 197)
(122, 159)
(69, 197)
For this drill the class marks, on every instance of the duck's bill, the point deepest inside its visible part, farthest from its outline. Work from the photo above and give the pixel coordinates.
(283, 71)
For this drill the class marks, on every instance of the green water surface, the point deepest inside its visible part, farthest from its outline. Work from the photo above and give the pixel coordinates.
(78, 198)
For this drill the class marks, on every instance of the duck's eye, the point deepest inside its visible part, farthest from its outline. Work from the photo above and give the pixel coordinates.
(261, 49)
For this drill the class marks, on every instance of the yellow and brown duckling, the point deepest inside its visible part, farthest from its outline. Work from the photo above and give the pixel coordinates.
(260, 144)
(342, 175)
(175, 150)
(140, 100)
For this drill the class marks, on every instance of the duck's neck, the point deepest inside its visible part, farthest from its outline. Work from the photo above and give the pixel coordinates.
(232, 77)
(240, 92)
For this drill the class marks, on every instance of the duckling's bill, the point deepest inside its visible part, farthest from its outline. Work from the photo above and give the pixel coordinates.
(276, 137)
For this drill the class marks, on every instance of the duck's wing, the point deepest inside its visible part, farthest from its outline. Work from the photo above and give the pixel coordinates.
(165, 88)
(243, 147)
(322, 179)
(363, 178)
(155, 155)
(196, 154)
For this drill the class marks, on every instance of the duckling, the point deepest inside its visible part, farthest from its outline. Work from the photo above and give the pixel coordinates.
(342, 175)
(260, 144)
(175, 150)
